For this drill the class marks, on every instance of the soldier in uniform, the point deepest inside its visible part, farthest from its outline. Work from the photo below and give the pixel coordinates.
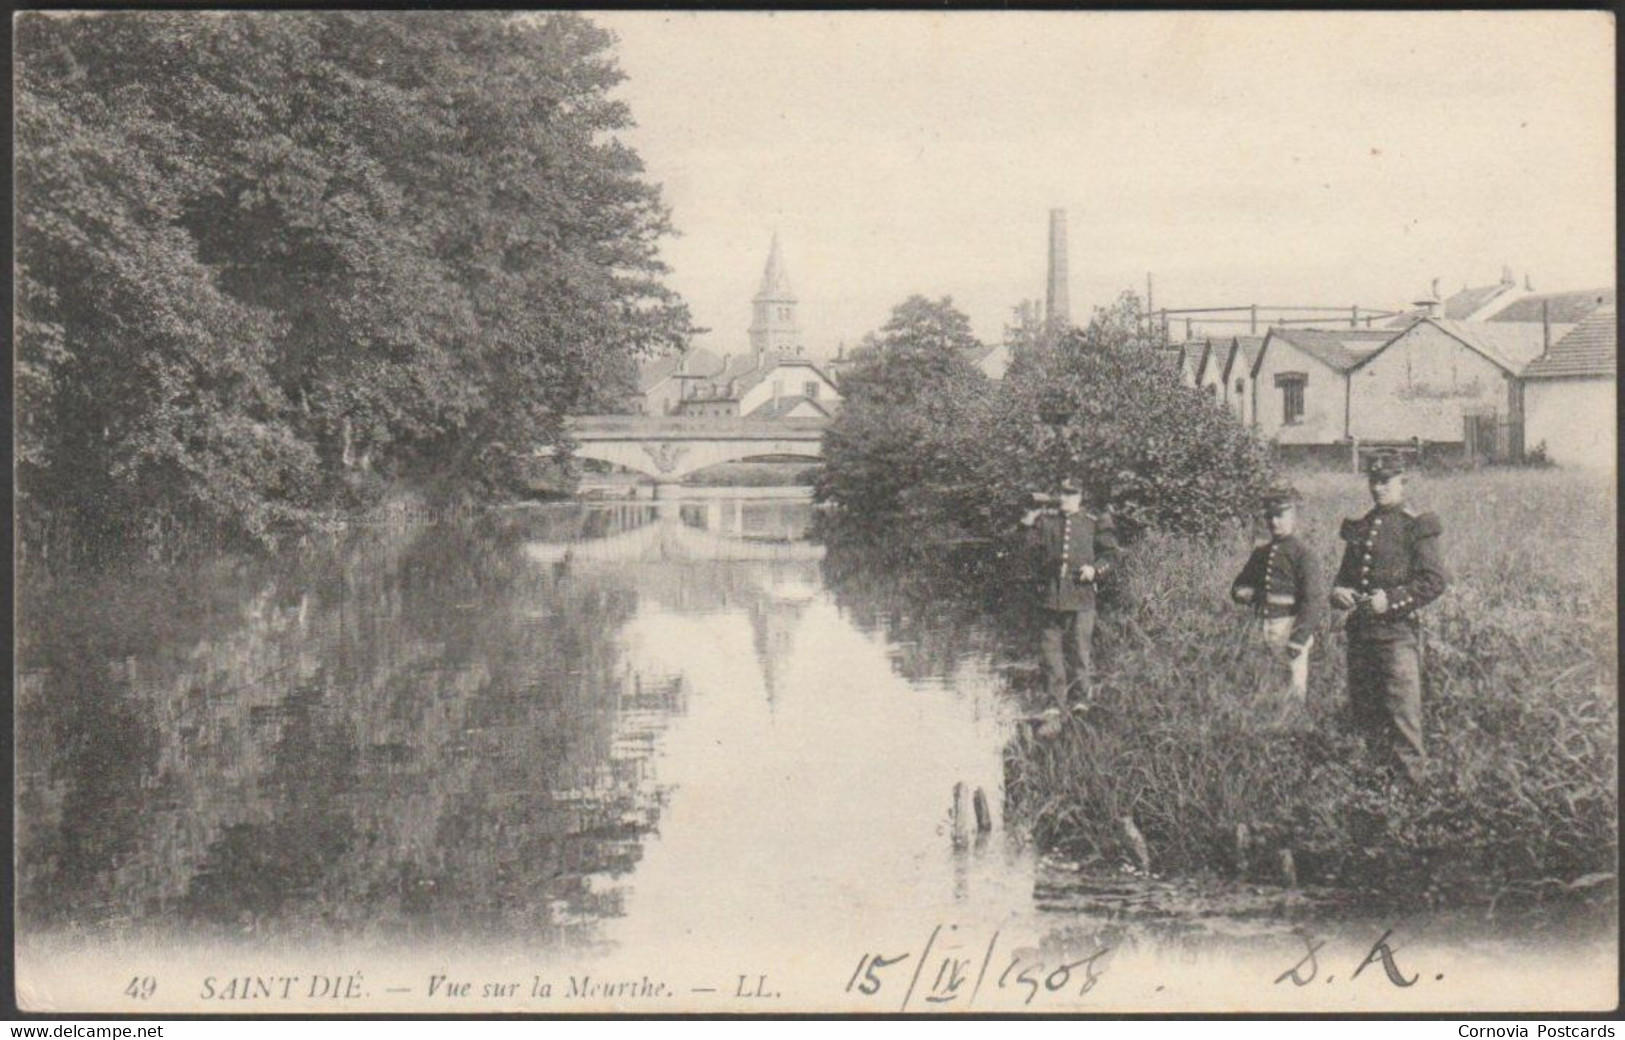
(1284, 587)
(1391, 569)
(1077, 548)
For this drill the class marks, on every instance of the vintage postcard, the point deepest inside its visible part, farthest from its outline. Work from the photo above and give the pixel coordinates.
(904, 512)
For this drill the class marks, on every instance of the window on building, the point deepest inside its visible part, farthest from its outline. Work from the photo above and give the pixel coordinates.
(810, 389)
(1292, 385)
(1241, 386)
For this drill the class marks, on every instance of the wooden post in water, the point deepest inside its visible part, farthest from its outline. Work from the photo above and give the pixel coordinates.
(984, 818)
(1289, 869)
(1136, 844)
(958, 814)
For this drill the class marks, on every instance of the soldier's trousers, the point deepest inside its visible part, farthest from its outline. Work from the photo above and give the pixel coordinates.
(1294, 671)
(1066, 649)
(1385, 694)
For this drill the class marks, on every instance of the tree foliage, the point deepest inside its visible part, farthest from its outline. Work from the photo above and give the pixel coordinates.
(893, 440)
(259, 253)
(1098, 404)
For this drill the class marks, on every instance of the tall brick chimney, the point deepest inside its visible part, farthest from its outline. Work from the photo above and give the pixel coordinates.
(1057, 301)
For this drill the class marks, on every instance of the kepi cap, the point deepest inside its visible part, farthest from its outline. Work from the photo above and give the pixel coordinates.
(1384, 464)
(1278, 500)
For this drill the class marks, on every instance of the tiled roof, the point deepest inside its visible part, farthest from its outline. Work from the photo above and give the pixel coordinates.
(1463, 305)
(1592, 349)
(1567, 308)
(1458, 306)
(700, 363)
(1341, 349)
(1248, 347)
(1511, 345)
(1213, 352)
(746, 372)
(784, 406)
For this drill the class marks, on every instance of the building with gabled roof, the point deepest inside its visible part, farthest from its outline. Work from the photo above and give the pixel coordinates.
(1210, 362)
(1569, 395)
(699, 383)
(1445, 381)
(665, 381)
(1470, 304)
(1300, 382)
(1237, 376)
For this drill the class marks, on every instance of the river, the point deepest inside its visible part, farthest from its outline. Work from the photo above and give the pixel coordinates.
(652, 737)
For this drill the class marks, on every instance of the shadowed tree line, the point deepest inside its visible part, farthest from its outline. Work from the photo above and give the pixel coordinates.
(269, 263)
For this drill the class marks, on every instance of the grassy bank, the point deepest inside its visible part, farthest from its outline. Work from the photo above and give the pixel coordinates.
(1520, 699)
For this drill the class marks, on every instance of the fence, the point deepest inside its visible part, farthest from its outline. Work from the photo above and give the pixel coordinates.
(1259, 316)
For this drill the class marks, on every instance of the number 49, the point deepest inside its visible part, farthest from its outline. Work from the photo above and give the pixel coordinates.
(141, 987)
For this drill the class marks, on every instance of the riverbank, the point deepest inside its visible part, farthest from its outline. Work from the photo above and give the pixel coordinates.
(1521, 693)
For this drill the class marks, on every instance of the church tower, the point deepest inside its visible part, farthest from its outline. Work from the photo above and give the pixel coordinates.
(773, 310)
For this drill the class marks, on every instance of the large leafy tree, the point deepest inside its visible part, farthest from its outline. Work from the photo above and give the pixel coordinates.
(905, 403)
(924, 440)
(257, 252)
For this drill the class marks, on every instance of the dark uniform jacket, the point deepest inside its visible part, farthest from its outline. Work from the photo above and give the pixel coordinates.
(1397, 551)
(1067, 543)
(1285, 583)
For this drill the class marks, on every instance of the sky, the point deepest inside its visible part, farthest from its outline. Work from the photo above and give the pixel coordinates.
(1328, 158)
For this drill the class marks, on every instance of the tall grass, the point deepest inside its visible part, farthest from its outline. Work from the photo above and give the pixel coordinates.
(1520, 700)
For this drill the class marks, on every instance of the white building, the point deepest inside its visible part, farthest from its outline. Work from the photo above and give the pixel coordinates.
(1569, 401)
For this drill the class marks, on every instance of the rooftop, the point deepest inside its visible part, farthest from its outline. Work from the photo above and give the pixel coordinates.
(1247, 347)
(697, 363)
(1512, 345)
(1564, 308)
(783, 406)
(1341, 349)
(1590, 349)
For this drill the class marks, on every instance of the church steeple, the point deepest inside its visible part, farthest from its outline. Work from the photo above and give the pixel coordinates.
(773, 309)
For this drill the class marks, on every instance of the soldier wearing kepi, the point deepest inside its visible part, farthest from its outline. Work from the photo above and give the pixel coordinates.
(1391, 569)
(1283, 586)
(1077, 549)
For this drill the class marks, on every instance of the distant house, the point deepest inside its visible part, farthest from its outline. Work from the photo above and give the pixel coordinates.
(1173, 358)
(755, 385)
(1506, 301)
(1300, 384)
(1237, 376)
(1569, 394)
(1470, 304)
(793, 407)
(665, 382)
(1445, 382)
(1210, 362)
(1190, 357)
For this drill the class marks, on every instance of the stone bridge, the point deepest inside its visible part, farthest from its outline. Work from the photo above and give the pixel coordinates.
(669, 448)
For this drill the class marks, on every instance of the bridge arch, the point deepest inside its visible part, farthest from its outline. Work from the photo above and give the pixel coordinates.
(670, 448)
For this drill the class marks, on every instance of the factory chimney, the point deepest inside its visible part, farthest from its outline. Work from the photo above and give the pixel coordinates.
(1057, 302)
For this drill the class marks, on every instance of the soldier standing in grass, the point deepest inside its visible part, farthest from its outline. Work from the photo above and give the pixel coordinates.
(1391, 569)
(1077, 549)
(1282, 585)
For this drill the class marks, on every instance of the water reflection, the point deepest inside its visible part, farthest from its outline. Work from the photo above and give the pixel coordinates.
(636, 722)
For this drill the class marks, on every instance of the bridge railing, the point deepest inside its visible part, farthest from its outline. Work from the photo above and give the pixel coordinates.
(694, 426)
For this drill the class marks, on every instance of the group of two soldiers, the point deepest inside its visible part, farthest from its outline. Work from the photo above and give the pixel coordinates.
(1391, 568)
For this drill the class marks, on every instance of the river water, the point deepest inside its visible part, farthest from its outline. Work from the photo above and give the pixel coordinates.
(653, 737)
